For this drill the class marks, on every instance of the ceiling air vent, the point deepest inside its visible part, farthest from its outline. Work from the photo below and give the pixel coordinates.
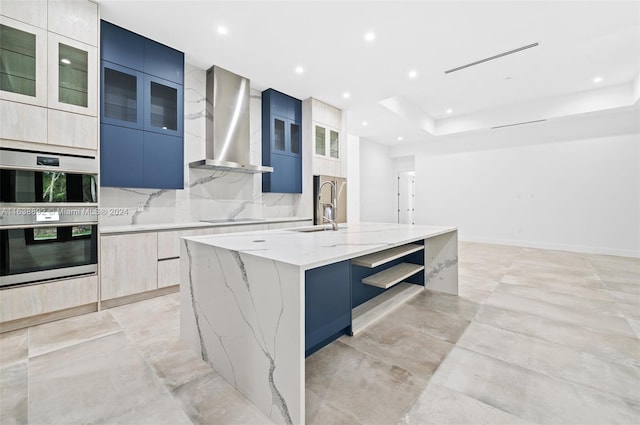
(518, 123)
(499, 55)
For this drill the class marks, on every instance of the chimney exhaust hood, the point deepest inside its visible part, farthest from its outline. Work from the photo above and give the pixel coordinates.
(227, 135)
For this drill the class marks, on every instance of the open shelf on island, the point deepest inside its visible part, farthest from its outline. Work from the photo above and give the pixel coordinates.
(378, 258)
(372, 310)
(393, 275)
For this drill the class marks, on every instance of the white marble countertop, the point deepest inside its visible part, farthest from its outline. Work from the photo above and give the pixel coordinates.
(136, 228)
(315, 249)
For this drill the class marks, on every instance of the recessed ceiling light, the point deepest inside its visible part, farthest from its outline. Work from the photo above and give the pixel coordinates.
(346, 95)
(597, 80)
(370, 36)
(223, 30)
(299, 70)
(449, 111)
(413, 73)
(65, 61)
(364, 123)
(399, 138)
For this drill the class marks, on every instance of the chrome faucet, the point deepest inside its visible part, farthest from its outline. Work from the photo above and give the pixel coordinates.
(328, 211)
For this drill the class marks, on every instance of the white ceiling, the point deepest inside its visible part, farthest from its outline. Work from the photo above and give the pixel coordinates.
(266, 40)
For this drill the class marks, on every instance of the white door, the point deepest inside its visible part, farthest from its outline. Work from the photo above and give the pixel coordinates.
(406, 197)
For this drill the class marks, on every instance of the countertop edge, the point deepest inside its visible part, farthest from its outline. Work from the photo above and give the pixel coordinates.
(141, 228)
(346, 256)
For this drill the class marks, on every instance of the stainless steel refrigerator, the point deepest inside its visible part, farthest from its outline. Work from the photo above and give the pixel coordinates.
(322, 197)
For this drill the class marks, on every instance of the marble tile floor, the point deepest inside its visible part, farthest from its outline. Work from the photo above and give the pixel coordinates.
(535, 337)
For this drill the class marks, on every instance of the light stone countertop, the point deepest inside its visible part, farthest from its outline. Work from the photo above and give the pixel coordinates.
(315, 249)
(137, 228)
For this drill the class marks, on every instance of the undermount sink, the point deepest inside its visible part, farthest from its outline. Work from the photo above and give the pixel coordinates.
(318, 228)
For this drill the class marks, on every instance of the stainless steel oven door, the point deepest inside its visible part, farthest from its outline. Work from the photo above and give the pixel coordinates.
(48, 250)
(28, 178)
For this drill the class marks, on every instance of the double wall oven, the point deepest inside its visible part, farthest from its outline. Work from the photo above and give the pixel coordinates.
(48, 217)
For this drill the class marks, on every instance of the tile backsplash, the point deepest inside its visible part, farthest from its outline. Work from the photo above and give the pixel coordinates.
(207, 194)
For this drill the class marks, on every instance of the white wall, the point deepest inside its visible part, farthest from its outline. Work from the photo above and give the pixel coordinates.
(580, 195)
(378, 199)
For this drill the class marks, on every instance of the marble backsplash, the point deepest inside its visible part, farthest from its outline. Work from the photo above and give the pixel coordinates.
(207, 194)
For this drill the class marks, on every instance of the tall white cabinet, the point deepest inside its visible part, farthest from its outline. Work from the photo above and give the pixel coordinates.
(324, 133)
(49, 84)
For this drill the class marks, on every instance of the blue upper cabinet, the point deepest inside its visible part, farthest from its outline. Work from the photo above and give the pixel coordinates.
(121, 46)
(281, 142)
(163, 62)
(163, 102)
(122, 96)
(142, 94)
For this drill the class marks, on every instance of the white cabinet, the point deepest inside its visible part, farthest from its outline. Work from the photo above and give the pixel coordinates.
(128, 264)
(169, 241)
(13, 116)
(326, 141)
(31, 300)
(73, 76)
(23, 49)
(323, 133)
(77, 19)
(33, 12)
(168, 272)
(83, 133)
(49, 80)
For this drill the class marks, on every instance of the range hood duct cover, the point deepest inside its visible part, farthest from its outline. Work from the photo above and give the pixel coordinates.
(227, 126)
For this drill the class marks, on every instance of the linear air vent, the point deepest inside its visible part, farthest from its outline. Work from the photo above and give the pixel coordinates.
(519, 49)
(518, 123)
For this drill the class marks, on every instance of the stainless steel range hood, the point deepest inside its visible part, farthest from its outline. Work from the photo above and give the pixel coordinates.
(227, 136)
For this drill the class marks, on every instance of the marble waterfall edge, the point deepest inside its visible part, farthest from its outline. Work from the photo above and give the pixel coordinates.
(441, 263)
(247, 323)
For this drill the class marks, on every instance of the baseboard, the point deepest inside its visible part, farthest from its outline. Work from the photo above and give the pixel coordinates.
(39, 319)
(555, 247)
(128, 299)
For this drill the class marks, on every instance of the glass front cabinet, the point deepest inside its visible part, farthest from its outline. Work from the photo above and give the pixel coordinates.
(281, 142)
(23, 64)
(141, 121)
(326, 141)
(72, 76)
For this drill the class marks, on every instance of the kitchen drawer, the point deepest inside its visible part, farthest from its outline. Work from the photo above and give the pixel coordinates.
(168, 272)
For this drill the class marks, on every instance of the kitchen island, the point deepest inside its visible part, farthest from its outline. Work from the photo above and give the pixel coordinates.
(253, 305)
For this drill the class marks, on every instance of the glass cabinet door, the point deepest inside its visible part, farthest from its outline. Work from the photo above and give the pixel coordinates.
(73, 76)
(17, 61)
(334, 144)
(296, 141)
(278, 135)
(162, 110)
(73, 85)
(320, 140)
(23, 62)
(163, 107)
(121, 96)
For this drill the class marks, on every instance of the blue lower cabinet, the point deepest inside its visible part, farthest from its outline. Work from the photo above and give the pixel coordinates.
(163, 161)
(327, 304)
(121, 158)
